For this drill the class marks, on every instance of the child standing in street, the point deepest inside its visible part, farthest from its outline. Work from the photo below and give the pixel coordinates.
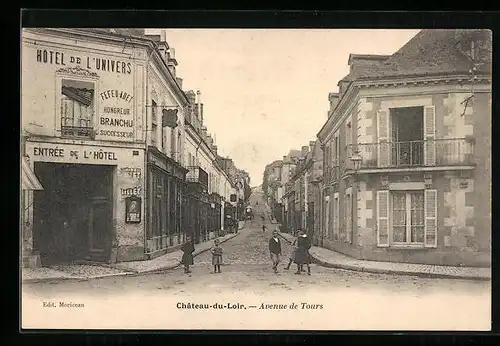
(216, 256)
(187, 257)
(293, 252)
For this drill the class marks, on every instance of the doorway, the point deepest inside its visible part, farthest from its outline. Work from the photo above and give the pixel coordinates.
(72, 215)
(407, 136)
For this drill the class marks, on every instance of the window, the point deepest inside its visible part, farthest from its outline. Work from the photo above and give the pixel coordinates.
(408, 217)
(173, 144)
(348, 218)
(154, 123)
(348, 134)
(77, 108)
(336, 228)
(163, 136)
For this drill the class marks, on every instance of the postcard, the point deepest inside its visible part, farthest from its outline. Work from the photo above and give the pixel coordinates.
(244, 179)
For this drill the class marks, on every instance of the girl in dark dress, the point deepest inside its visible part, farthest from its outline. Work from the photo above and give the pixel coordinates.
(187, 256)
(302, 254)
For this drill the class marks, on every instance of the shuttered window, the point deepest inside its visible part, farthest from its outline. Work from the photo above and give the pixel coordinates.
(336, 228)
(430, 197)
(383, 218)
(383, 138)
(429, 136)
(407, 217)
(348, 218)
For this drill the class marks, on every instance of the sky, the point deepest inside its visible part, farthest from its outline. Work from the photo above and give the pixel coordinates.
(265, 92)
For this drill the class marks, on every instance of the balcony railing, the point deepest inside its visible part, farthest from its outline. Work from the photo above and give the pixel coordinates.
(77, 131)
(332, 174)
(437, 152)
(197, 175)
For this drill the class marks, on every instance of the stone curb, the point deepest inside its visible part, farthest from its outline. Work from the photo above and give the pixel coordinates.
(126, 272)
(389, 271)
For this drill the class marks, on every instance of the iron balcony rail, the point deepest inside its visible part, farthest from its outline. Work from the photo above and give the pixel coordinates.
(332, 174)
(196, 174)
(437, 152)
(77, 131)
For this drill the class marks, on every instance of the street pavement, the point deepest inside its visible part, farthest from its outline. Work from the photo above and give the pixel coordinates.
(247, 272)
(247, 266)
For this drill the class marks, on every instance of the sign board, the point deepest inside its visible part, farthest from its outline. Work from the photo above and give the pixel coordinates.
(133, 209)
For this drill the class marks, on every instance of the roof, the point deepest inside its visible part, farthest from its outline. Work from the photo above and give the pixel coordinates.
(434, 51)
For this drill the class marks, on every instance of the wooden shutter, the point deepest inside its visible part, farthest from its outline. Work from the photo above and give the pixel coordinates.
(383, 218)
(429, 136)
(430, 205)
(383, 138)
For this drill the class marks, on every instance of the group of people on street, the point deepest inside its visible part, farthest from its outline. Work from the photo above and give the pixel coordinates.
(188, 258)
(299, 254)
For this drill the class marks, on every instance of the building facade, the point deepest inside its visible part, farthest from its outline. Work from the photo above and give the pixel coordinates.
(108, 132)
(406, 153)
(83, 116)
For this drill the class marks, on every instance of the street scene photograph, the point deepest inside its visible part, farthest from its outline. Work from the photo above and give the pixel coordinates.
(255, 179)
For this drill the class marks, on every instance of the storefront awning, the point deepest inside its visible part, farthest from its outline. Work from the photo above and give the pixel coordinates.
(29, 181)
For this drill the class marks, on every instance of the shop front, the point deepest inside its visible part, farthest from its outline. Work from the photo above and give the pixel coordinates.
(165, 181)
(81, 212)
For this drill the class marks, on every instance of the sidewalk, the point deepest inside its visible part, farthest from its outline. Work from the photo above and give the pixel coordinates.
(333, 259)
(82, 272)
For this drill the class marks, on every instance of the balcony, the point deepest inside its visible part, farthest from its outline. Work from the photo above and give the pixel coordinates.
(332, 174)
(197, 175)
(77, 131)
(412, 154)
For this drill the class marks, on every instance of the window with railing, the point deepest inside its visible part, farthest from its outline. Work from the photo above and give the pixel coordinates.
(77, 108)
(432, 152)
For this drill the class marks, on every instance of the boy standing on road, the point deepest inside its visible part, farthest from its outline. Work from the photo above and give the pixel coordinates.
(275, 250)
(293, 252)
(216, 256)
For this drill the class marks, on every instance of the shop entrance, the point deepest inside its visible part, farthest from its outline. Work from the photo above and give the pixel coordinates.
(72, 215)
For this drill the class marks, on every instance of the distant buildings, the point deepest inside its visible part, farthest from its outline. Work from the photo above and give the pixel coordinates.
(406, 155)
(126, 167)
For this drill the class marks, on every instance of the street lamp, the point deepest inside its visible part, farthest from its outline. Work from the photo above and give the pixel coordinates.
(356, 160)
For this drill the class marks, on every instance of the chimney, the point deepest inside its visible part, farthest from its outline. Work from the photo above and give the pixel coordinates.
(198, 93)
(172, 62)
(305, 150)
(204, 132)
(311, 146)
(179, 81)
(334, 100)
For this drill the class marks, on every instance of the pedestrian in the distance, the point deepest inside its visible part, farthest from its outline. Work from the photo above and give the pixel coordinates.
(293, 252)
(302, 254)
(216, 256)
(187, 257)
(275, 250)
(263, 228)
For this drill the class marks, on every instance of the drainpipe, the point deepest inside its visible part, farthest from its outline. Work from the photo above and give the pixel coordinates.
(146, 170)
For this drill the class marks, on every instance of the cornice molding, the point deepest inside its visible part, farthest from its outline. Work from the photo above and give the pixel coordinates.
(398, 82)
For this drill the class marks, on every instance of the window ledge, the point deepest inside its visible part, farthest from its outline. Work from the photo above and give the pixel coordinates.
(407, 247)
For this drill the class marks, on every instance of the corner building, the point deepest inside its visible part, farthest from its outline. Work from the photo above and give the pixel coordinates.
(420, 123)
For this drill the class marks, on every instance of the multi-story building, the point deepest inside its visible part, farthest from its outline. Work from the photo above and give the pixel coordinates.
(407, 173)
(107, 130)
(166, 171)
(302, 191)
(84, 117)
